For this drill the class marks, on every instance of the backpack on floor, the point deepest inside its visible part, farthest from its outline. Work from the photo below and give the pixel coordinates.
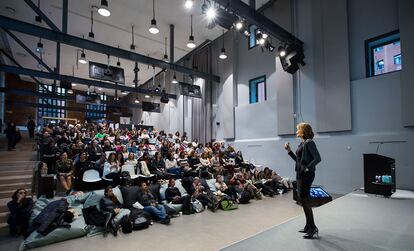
(197, 206)
(126, 225)
(245, 197)
(227, 205)
(140, 223)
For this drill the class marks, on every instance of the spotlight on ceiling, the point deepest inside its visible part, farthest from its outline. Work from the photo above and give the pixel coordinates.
(39, 48)
(136, 101)
(260, 38)
(104, 9)
(281, 51)
(238, 25)
(100, 89)
(189, 4)
(158, 89)
(246, 33)
(82, 58)
(211, 13)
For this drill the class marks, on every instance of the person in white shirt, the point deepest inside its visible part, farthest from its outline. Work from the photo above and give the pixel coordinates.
(111, 166)
(131, 159)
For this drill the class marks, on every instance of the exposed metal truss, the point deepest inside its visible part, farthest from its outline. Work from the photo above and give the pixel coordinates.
(57, 36)
(252, 16)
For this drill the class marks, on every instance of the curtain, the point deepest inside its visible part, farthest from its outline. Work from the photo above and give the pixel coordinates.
(202, 108)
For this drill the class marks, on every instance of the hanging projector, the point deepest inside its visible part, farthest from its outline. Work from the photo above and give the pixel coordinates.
(106, 73)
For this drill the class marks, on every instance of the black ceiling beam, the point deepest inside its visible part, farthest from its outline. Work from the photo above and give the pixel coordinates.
(71, 79)
(28, 50)
(58, 36)
(42, 15)
(254, 17)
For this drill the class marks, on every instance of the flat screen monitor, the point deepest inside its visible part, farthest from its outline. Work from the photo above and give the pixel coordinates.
(151, 107)
(190, 90)
(88, 99)
(103, 72)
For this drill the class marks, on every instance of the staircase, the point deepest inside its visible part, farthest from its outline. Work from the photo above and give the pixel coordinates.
(16, 169)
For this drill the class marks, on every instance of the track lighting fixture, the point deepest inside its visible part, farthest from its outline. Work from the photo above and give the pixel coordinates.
(153, 28)
(281, 51)
(136, 100)
(239, 24)
(104, 9)
(165, 58)
(246, 33)
(189, 4)
(158, 89)
(191, 44)
(260, 38)
(70, 91)
(91, 34)
(39, 48)
(174, 80)
(223, 50)
(132, 47)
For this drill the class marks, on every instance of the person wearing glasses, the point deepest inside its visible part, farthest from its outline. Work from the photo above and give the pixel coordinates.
(20, 208)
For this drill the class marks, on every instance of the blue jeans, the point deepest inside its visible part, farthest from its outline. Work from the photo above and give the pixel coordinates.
(158, 211)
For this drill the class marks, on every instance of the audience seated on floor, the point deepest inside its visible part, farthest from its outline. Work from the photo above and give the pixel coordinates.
(170, 172)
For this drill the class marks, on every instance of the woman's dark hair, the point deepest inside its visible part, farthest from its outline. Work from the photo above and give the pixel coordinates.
(14, 196)
(110, 157)
(106, 190)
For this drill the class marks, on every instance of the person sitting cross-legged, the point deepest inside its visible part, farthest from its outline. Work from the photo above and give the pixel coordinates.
(173, 195)
(147, 200)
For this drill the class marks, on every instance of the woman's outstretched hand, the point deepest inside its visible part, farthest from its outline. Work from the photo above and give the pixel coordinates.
(287, 147)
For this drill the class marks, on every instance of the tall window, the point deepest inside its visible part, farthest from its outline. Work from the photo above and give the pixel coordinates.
(252, 37)
(257, 90)
(98, 111)
(383, 54)
(54, 109)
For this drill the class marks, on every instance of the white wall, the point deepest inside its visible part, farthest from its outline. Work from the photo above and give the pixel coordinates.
(375, 102)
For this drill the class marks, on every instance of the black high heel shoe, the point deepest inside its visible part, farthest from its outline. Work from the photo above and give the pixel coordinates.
(311, 233)
(304, 230)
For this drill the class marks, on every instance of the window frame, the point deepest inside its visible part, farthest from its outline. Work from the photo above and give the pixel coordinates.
(373, 43)
(249, 38)
(256, 86)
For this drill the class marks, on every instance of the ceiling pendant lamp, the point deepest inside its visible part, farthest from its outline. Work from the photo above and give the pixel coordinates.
(165, 58)
(174, 80)
(153, 28)
(82, 58)
(191, 44)
(136, 70)
(91, 34)
(104, 9)
(39, 47)
(118, 63)
(223, 50)
(133, 40)
(136, 100)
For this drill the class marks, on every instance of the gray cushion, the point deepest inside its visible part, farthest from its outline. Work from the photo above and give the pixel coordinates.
(35, 239)
(129, 194)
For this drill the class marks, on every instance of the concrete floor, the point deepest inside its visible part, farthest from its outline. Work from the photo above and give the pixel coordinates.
(203, 231)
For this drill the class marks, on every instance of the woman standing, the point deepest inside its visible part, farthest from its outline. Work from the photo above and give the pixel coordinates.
(306, 158)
